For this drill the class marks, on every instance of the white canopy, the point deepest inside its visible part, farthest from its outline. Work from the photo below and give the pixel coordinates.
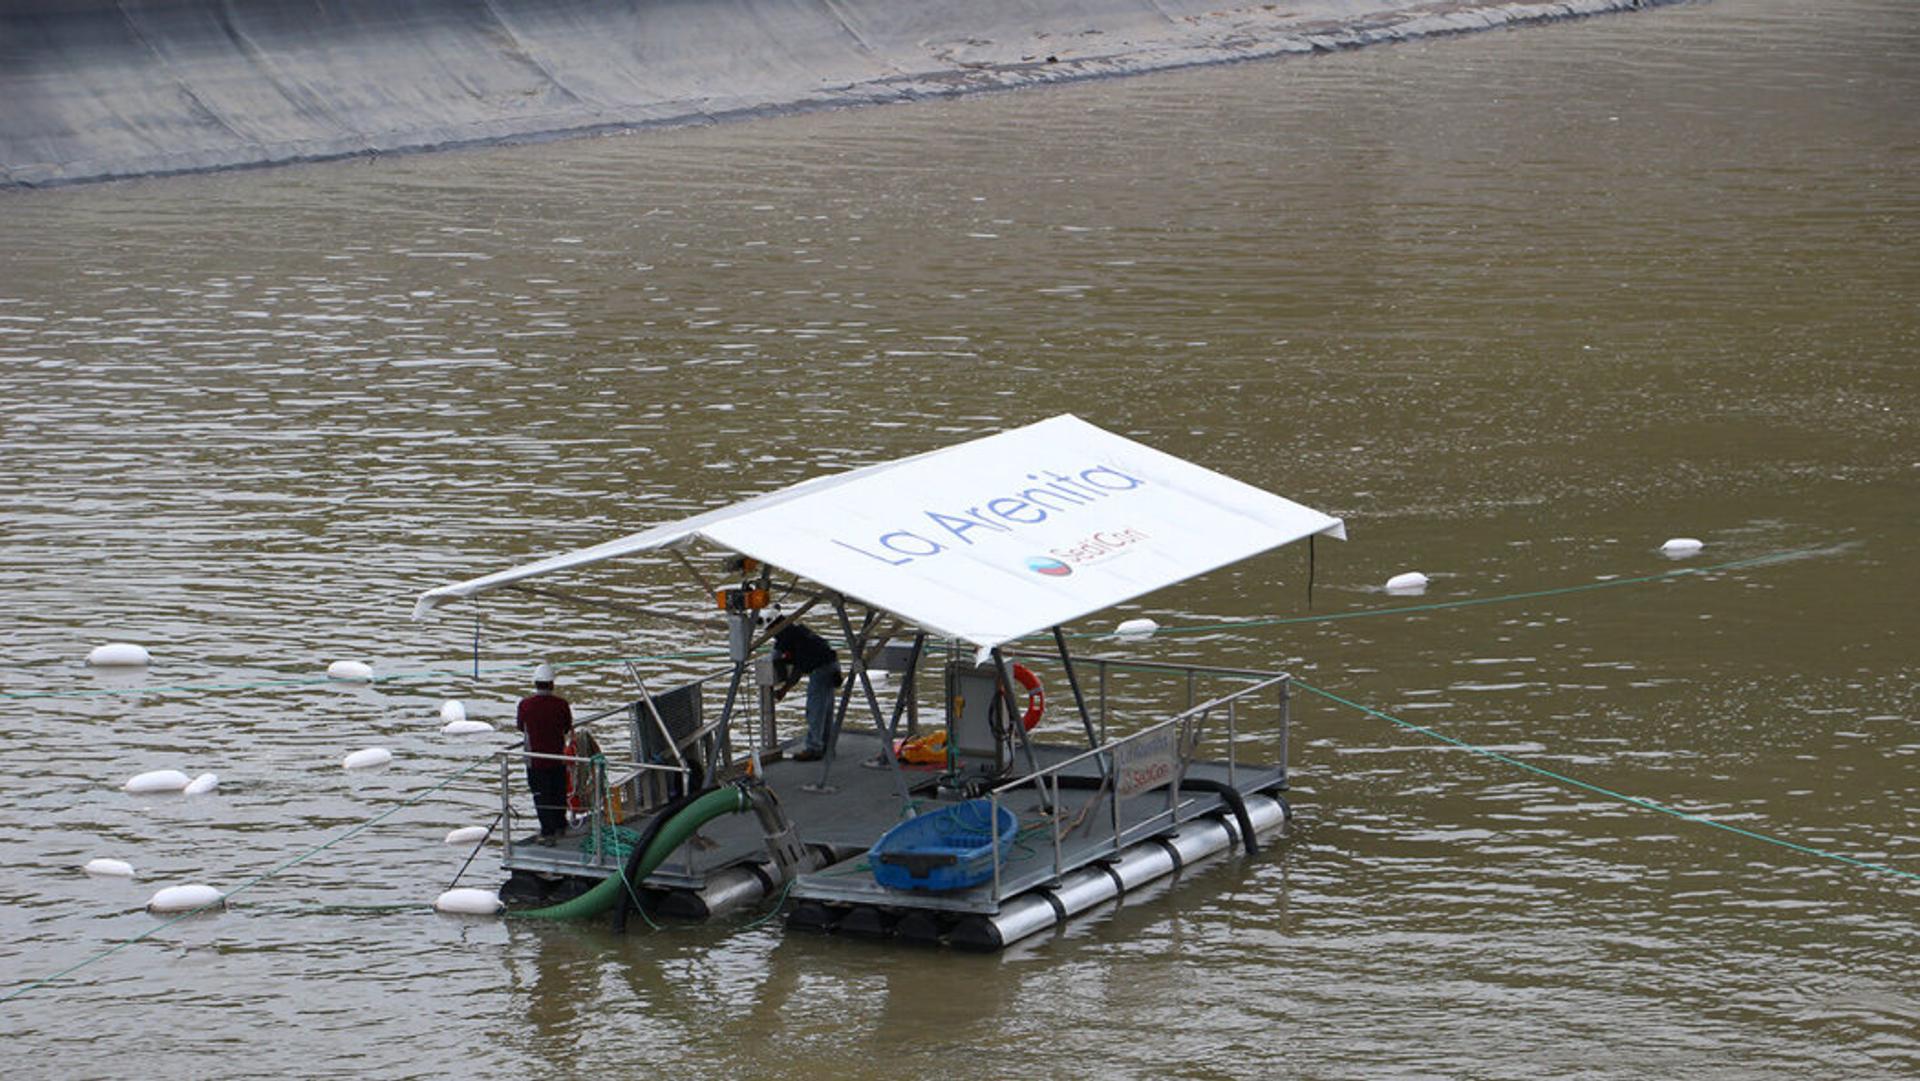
(988, 540)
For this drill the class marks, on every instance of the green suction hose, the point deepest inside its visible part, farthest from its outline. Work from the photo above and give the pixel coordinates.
(730, 799)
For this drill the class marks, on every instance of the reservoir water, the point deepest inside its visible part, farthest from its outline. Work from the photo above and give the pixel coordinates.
(1519, 306)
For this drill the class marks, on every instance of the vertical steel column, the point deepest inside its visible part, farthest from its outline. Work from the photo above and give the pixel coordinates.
(721, 744)
(1055, 816)
(598, 783)
(1073, 683)
(1286, 723)
(1103, 702)
(506, 802)
(1232, 743)
(1004, 679)
(905, 696)
(856, 646)
(993, 819)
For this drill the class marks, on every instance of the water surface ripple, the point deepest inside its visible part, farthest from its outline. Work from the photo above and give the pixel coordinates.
(1519, 306)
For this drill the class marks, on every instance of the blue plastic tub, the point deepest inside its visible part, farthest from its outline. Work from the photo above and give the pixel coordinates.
(946, 849)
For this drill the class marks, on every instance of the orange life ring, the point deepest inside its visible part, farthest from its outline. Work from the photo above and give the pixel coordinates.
(1036, 695)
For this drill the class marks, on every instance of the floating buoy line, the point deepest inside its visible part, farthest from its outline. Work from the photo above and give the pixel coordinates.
(1123, 633)
(220, 899)
(119, 655)
(476, 901)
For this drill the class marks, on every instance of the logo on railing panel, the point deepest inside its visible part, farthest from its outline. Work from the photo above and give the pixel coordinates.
(1048, 566)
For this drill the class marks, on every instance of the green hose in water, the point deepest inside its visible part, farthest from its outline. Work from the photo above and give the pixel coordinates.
(730, 799)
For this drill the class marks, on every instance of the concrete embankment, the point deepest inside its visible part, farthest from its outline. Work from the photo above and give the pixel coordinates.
(99, 89)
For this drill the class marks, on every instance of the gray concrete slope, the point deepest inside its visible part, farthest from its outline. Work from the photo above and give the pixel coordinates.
(98, 89)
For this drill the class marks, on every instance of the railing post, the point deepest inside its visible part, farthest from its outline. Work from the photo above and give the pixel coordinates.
(993, 831)
(506, 803)
(1233, 742)
(1286, 725)
(1055, 804)
(1179, 760)
(596, 810)
(1103, 703)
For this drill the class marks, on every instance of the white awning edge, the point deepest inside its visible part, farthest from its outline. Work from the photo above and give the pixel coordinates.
(989, 540)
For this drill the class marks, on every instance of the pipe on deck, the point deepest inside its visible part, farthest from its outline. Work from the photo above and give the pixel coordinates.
(671, 835)
(742, 885)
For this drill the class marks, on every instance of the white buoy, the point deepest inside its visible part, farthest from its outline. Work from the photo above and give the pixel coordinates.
(159, 780)
(1681, 546)
(185, 899)
(367, 758)
(468, 901)
(1137, 628)
(352, 671)
(465, 834)
(203, 784)
(109, 868)
(465, 728)
(452, 710)
(1410, 582)
(119, 655)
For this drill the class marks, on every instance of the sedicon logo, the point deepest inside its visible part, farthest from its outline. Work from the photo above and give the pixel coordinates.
(1052, 568)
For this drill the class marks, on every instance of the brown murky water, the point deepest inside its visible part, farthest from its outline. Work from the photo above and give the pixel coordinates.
(1519, 306)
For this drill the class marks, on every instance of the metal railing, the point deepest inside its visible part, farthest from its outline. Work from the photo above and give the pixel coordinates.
(1186, 729)
(607, 800)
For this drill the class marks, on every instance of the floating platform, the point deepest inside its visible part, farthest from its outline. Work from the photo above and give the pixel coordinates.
(947, 572)
(840, 809)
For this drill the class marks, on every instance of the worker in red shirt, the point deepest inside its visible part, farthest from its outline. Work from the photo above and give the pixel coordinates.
(545, 718)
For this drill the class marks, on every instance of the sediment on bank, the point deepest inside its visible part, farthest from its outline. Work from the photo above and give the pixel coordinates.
(104, 89)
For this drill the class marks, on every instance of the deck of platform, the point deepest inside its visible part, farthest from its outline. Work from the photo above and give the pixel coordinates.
(1033, 861)
(861, 802)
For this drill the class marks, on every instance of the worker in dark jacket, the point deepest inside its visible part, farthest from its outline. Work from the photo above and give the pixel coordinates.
(546, 718)
(797, 652)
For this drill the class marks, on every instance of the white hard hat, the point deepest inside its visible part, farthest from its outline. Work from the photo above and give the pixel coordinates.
(543, 674)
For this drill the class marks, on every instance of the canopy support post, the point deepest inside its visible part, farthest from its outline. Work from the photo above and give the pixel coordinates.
(905, 696)
(723, 743)
(1006, 703)
(705, 586)
(1079, 700)
(856, 649)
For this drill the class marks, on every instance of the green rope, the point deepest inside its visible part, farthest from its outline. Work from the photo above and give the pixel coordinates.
(698, 654)
(617, 840)
(637, 906)
(1608, 792)
(339, 908)
(248, 884)
(770, 913)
